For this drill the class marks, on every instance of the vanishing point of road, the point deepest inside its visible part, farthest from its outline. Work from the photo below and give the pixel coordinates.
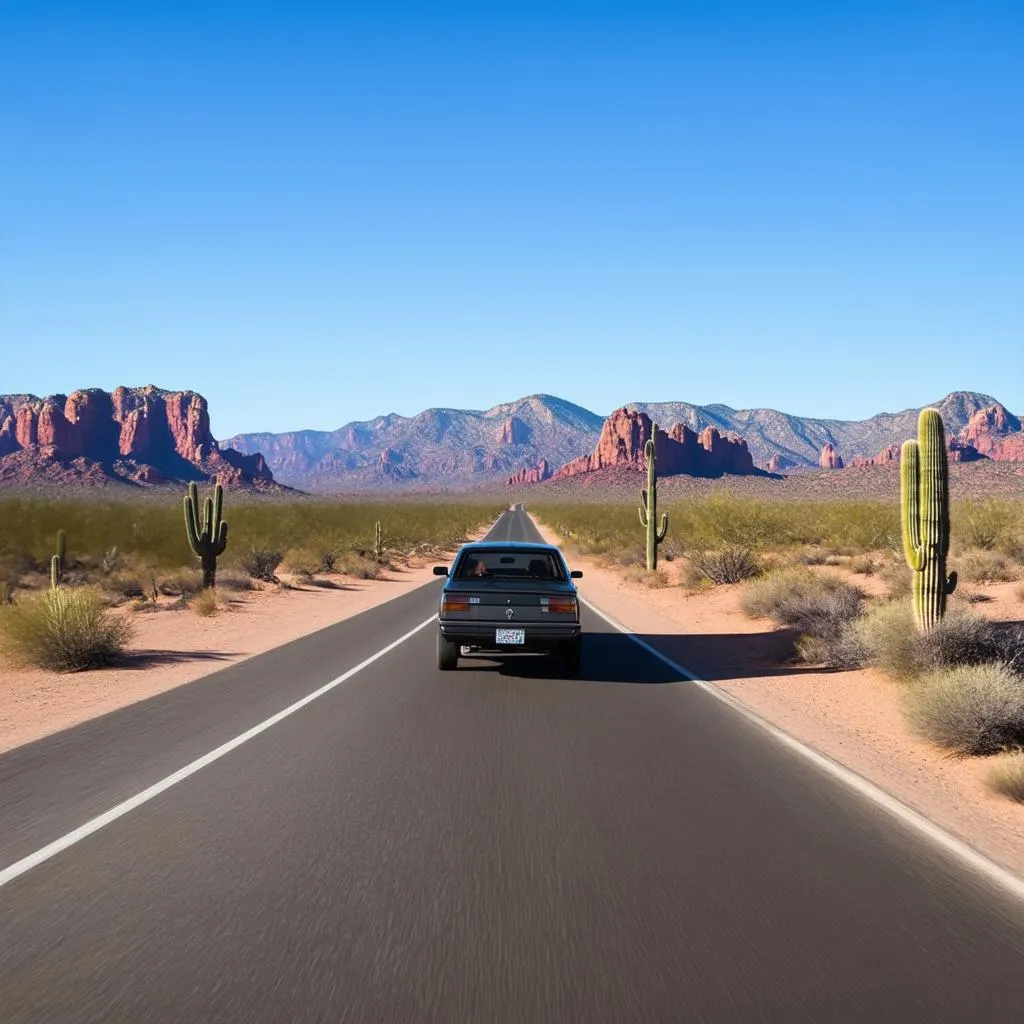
(496, 844)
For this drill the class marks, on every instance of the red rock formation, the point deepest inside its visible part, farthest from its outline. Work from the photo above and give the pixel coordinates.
(961, 452)
(779, 462)
(988, 427)
(531, 474)
(680, 450)
(830, 458)
(143, 434)
(513, 431)
(1009, 449)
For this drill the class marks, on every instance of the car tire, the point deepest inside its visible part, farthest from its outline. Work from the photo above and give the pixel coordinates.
(447, 653)
(572, 656)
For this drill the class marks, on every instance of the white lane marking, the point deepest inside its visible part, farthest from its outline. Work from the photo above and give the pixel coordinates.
(20, 867)
(989, 869)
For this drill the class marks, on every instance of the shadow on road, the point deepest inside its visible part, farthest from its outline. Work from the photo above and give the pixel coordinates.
(616, 658)
(150, 658)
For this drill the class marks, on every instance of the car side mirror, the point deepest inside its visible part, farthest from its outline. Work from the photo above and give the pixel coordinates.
(576, 574)
(440, 570)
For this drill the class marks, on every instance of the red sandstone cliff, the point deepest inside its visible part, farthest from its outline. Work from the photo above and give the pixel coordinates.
(531, 474)
(680, 450)
(830, 458)
(143, 435)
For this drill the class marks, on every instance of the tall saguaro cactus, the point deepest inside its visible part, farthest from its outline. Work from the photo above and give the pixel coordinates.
(924, 506)
(649, 509)
(207, 536)
(378, 541)
(57, 561)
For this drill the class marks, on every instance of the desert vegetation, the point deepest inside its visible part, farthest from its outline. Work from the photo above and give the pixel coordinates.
(66, 563)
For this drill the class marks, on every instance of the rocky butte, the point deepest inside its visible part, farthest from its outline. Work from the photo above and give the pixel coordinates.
(679, 451)
(135, 435)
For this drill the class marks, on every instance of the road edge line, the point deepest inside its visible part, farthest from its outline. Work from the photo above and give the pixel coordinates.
(69, 839)
(993, 872)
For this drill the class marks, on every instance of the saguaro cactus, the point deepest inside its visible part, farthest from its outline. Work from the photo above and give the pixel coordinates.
(207, 537)
(924, 506)
(378, 542)
(649, 509)
(57, 561)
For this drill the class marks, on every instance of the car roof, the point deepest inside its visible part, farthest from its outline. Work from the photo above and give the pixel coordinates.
(504, 545)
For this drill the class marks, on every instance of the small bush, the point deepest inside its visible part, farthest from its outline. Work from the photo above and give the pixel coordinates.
(303, 562)
(982, 566)
(64, 630)
(863, 565)
(969, 709)
(125, 586)
(898, 578)
(1006, 777)
(813, 555)
(990, 524)
(262, 563)
(235, 581)
(844, 649)
(796, 597)
(895, 646)
(183, 583)
(361, 567)
(730, 565)
(639, 574)
(204, 603)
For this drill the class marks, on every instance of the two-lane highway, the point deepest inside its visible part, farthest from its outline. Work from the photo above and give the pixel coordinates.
(492, 844)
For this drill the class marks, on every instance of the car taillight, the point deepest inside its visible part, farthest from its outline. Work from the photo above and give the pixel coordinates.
(455, 604)
(563, 605)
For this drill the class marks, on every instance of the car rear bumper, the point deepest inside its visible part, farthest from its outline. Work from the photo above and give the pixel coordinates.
(540, 636)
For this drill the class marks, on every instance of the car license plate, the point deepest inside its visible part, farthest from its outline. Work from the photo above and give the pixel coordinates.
(510, 636)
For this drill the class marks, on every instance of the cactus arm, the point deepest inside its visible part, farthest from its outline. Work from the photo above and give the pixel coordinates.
(664, 527)
(191, 527)
(910, 503)
(643, 517)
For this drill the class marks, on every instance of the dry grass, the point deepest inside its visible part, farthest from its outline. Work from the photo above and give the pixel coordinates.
(65, 630)
(968, 709)
(639, 574)
(730, 565)
(984, 566)
(863, 565)
(204, 603)
(1006, 776)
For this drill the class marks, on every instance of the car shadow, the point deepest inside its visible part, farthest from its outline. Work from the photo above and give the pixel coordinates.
(614, 657)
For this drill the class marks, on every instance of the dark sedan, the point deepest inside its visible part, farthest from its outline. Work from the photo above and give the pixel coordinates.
(505, 598)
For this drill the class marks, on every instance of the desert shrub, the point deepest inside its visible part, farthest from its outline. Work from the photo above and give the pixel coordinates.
(183, 583)
(64, 630)
(304, 562)
(360, 566)
(204, 603)
(790, 596)
(228, 579)
(639, 574)
(863, 565)
(328, 559)
(969, 709)
(262, 563)
(125, 586)
(843, 649)
(1006, 776)
(812, 555)
(992, 524)
(962, 637)
(730, 565)
(897, 577)
(984, 566)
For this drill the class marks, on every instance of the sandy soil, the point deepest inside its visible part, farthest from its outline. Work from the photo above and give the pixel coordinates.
(853, 717)
(176, 647)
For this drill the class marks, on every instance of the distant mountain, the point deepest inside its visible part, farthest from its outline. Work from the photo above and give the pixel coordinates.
(142, 436)
(800, 440)
(437, 448)
(531, 439)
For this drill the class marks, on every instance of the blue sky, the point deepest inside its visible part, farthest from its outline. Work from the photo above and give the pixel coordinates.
(315, 213)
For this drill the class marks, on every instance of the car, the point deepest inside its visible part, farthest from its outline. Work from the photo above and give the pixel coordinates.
(508, 597)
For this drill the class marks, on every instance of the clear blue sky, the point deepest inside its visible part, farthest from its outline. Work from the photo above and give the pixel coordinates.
(314, 213)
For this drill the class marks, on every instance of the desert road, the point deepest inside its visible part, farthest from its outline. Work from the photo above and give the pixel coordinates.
(487, 845)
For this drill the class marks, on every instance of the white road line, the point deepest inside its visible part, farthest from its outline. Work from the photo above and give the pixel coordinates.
(26, 864)
(994, 873)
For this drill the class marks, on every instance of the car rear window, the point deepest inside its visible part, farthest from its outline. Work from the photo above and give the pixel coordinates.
(509, 564)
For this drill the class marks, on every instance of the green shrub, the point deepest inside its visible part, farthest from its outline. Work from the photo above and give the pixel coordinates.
(962, 637)
(360, 567)
(125, 586)
(303, 562)
(984, 566)
(992, 524)
(730, 565)
(798, 597)
(1006, 776)
(842, 649)
(968, 709)
(262, 564)
(64, 630)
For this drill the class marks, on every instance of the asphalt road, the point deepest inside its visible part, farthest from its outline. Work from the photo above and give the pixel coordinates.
(494, 844)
